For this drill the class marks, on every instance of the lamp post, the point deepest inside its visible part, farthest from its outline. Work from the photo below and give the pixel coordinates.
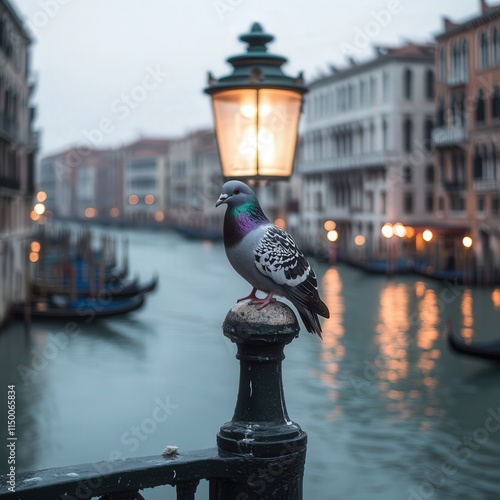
(332, 236)
(256, 111)
(468, 267)
(387, 231)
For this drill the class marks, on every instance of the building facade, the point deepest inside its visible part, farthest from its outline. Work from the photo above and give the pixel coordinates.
(145, 181)
(18, 146)
(82, 183)
(367, 156)
(195, 182)
(467, 140)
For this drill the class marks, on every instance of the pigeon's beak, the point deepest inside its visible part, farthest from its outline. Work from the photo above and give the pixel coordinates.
(222, 199)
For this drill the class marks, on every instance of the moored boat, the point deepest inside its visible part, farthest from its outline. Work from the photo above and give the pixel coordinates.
(489, 350)
(119, 288)
(82, 309)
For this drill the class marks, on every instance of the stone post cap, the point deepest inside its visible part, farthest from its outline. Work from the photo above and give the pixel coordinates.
(274, 323)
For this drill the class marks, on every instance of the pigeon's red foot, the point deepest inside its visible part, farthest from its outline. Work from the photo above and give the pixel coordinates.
(265, 301)
(251, 296)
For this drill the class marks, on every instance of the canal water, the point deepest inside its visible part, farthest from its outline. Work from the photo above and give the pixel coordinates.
(390, 412)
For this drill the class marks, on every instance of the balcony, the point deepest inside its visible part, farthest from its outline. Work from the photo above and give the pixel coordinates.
(375, 159)
(487, 185)
(449, 136)
(34, 140)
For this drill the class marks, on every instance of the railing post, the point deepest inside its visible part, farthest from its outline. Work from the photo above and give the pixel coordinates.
(273, 446)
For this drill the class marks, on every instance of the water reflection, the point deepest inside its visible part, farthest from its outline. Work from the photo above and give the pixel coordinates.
(332, 350)
(495, 298)
(467, 317)
(427, 335)
(392, 331)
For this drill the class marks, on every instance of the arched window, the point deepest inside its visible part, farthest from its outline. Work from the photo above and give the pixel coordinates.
(428, 134)
(484, 50)
(408, 135)
(440, 114)
(408, 83)
(384, 135)
(495, 103)
(478, 164)
(465, 57)
(454, 63)
(493, 172)
(429, 174)
(453, 109)
(480, 106)
(407, 174)
(495, 40)
(429, 84)
(442, 65)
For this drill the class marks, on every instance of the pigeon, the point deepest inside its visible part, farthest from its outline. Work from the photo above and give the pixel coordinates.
(267, 257)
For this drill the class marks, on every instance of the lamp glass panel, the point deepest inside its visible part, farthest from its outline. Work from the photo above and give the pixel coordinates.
(257, 131)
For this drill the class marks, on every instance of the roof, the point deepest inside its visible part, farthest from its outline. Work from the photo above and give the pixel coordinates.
(410, 52)
(489, 13)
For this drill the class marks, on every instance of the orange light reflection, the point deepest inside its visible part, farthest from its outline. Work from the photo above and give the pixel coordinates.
(391, 329)
(468, 320)
(333, 330)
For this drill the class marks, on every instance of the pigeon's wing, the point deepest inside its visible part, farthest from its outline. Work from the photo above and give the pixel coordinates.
(278, 257)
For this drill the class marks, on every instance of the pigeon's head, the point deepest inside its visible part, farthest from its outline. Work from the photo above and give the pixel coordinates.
(234, 194)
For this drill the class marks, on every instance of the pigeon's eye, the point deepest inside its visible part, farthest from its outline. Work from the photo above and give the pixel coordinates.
(237, 191)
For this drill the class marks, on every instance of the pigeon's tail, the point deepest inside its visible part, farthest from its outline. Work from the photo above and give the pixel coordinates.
(311, 321)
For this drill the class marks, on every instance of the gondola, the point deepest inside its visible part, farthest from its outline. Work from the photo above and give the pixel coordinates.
(118, 289)
(486, 350)
(82, 309)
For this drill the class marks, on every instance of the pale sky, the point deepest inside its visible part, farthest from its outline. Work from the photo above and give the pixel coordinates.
(137, 68)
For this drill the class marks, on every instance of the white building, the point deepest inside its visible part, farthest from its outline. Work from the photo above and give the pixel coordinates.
(366, 157)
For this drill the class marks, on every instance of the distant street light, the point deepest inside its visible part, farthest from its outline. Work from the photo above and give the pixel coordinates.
(467, 241)
(427, 235)
(332, 235)
(256, 111)
(90, 212)
(387, 230)
(41, 196)
(39, 208)
(329, 225)
(359, 240)
(399, 230)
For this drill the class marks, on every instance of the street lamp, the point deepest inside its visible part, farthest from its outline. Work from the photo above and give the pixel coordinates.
(468, 265)
(256, 111)
(387, 231)
(332, 236)
(427, 235)
(467, 241)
